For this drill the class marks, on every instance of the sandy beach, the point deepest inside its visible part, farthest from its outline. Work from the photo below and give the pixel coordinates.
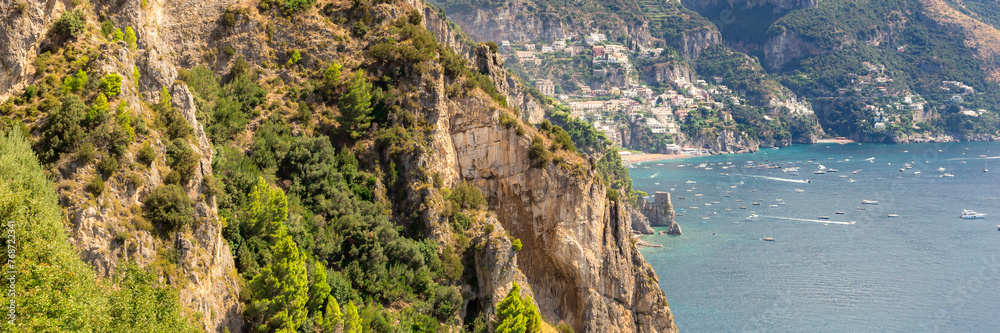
(637, 158)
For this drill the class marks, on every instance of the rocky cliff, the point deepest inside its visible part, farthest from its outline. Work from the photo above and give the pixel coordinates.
(523, 22)
(578, 256)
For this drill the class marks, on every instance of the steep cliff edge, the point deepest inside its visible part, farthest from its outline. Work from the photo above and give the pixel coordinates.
(578, 255)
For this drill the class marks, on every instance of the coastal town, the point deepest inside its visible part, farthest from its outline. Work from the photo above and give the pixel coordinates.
(596, 79)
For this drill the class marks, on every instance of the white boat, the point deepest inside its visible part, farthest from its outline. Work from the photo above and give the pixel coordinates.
(799, 190)
(769, 239)
(968, 214)
(752, 217)
(832, 170)
(690, 182)
(893, 215)
(941, 169)
(947, 175)
(916, 172)
(819, 172)
(869, 202)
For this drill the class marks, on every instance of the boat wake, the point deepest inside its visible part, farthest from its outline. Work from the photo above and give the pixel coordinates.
(973, 158)
(654, 175)
(801, 181)
(806, 220)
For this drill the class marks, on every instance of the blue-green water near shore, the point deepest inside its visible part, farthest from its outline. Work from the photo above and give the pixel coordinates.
(924, 271)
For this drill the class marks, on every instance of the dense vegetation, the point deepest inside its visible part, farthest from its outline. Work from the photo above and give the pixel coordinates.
(55, 290)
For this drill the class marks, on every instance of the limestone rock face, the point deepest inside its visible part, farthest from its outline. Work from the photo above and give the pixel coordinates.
(21, 32)
(492, 63)
(788, 46)
(668, 72)
(577, 257)
(693, 42)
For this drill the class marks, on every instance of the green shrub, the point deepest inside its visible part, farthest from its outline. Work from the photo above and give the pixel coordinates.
(111, 84)
(493, 46)
(75, 82)
(291, 7)
(182, 158)
(117, 35)
(467, 196)
(516, 244)
(564, 328)
(63, 130)
(107, 166)
(146, 154)
(169, 208)
(107, 28)
(98, 113)
(294, 57)
(538, 153)
(172, 178)
(86, 153)
(71, 24)
(95, 186)
(136, 75)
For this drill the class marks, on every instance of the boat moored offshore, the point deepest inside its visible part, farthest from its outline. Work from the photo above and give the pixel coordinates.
(968, 214)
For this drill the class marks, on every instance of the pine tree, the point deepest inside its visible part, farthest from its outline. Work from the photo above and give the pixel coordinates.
(266, 210)
(356, 107)
(516, 314)
(331, 316)
(352, 321)
(98, 111)
(279, 291)
(130, 38)
(117, 35)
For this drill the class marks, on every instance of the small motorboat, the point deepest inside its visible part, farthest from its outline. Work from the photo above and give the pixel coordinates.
(799, 190)
(869, 202)
(768, 239)
(840, 213)
(743, 207)
(893, 215)
(756, 204)
(690, 182)
(824, 217)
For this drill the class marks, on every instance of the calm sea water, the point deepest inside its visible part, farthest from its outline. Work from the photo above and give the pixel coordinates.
(925, 271)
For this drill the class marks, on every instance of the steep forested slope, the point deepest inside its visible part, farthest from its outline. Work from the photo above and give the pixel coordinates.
(316, 166)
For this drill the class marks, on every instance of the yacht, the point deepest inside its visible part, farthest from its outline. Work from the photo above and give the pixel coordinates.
(799, 190)
(840, 213)
(820, 172)
(752, 217)
(893, 215)
(832, 170)
(690, 182)
(769, 239)
(968, 214)
(947, 175)
(869, 202)
(743, 207)
(941, 169)
(756, 204)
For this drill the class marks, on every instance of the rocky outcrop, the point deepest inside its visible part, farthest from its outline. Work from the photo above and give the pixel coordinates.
(492, 63)
(578, 256)
(638, 219)
(788, 46)
(728, 141)
(667, 72)
(693, 42)
(21, 32)
(661, 212)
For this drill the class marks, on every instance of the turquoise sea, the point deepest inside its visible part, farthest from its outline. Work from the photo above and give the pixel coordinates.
(924, 271)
